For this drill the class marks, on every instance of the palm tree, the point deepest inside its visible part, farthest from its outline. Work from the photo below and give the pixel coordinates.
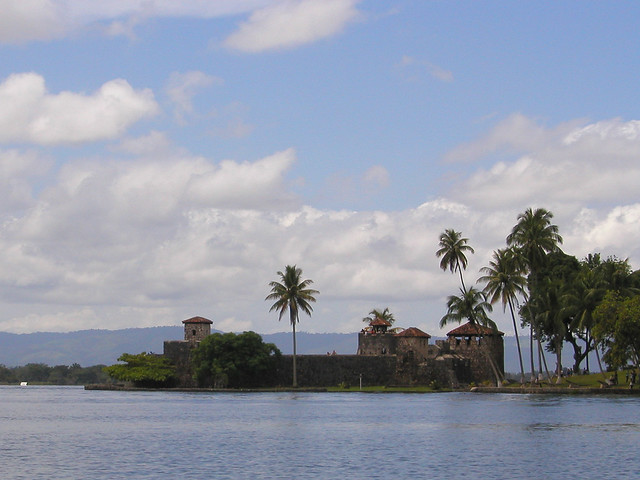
(452, 250)
(471, 305)
(292, 294)
(534, 236)
(381, 314)
(504, 281)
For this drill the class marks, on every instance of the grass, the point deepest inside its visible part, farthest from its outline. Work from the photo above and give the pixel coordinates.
(592, 380)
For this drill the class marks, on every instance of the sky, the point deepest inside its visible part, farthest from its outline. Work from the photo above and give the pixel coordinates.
(161, 160)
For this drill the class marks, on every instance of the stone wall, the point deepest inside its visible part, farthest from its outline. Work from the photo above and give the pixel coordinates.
(480, 351)
(179, 352)
(449, 364)
(333, 370)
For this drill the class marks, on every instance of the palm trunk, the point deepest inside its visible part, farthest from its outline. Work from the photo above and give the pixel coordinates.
(559, 361)
(515, 330)
(533, 367)
(295, 373)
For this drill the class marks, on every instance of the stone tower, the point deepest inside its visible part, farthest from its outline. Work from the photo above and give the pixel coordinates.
(196, 329)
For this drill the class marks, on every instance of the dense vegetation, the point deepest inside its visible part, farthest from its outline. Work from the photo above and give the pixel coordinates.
(144, 370)
(592, 304)
(58, 375)
(235, 361)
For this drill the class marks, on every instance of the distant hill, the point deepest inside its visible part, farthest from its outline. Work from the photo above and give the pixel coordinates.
(95, 347)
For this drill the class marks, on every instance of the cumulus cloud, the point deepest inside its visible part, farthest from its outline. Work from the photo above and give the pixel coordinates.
(292, 23)
(31, 114)
(169, 236)
(25, 20)
(279, 24)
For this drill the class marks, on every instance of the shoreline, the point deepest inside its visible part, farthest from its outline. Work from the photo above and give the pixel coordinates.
(496, 390)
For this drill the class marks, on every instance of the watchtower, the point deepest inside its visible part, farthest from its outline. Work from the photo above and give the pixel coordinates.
(196, 329)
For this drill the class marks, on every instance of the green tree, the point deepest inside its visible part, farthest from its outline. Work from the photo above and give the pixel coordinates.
(292, 294)
(144, 370)
(534, 236)
(505, 282)
(617, 329)
(235, 361)
(381, 314)
(471, 305)
(452, 252)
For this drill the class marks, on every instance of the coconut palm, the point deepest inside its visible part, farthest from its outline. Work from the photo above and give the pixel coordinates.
(471, 305)
(534, 236)
(505, 282)
(452, 252)
(292, 294)
(381, 314)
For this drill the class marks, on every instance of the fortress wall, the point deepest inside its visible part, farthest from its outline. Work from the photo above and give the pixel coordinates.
(332, 370)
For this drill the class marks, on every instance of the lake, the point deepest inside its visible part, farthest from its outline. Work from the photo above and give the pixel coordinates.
(70, 433)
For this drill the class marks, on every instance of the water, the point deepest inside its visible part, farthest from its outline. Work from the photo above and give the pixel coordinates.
(70, 433)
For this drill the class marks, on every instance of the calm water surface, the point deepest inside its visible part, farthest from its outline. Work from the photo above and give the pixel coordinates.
(70, 433)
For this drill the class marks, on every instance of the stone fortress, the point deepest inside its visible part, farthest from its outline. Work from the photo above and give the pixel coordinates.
(385, 356)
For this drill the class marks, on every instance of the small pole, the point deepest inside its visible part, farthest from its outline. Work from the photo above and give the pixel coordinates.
(360, 381)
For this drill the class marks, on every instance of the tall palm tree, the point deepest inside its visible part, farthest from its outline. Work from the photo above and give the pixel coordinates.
(452, 250)
(471, 305)
(292, 294)
(504, 281)
(381, 314)
(534, 236)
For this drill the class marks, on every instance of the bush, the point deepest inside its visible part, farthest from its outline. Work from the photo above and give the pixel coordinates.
(235, 361)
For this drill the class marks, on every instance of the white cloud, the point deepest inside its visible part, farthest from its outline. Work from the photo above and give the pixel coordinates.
(25, 20)
(182, 87)
(377, 176)
(37, 20)
(414, 68)
(18, 171)
(292, 23)
(31, 114)
(153, 240)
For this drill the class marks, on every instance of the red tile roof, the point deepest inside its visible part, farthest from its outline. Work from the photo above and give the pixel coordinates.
(413, 332)
(197, 320)
(379, 322)
(471, 329)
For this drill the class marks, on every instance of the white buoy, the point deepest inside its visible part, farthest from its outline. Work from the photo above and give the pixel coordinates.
(23, 384)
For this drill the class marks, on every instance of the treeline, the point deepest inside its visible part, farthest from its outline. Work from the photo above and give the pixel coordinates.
(43, 374)
(592, 304)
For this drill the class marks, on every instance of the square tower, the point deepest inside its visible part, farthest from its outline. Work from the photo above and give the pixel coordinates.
(196, 329)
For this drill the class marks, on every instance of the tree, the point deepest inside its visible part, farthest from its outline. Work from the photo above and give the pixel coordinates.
(144, 370)
(505, 282)
(381, 314)
(471, 305)
(235, 361)
(293, 295)
(534, 236)
(617, 329)
(452, 252)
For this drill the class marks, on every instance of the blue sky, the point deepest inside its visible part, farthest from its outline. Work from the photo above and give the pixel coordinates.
(160, 159)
